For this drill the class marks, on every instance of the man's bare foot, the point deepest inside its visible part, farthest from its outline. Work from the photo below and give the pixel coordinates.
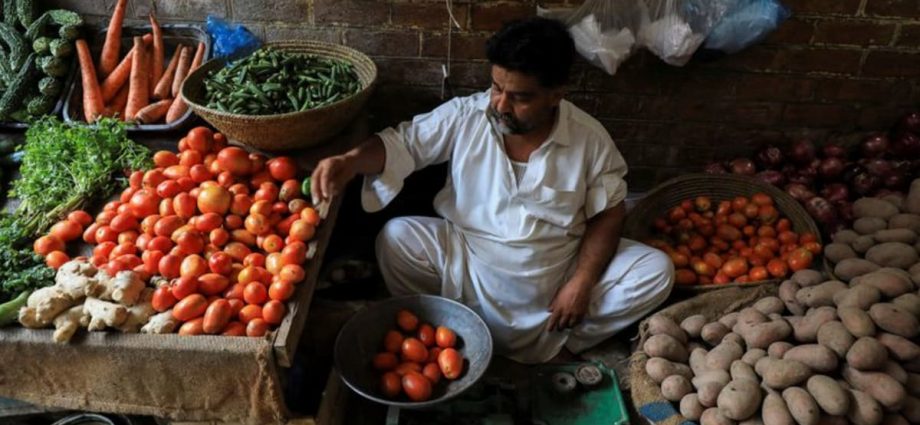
(565, 356)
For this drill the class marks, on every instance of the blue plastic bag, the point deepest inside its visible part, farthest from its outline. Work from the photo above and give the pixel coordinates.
(749, 22)
(231, 40)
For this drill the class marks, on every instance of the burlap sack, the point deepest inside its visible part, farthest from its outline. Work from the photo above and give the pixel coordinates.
(646, 394)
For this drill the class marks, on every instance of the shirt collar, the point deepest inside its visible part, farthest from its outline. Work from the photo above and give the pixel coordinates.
(560, 131)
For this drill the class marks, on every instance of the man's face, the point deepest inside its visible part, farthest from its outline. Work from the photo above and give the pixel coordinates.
(519, 104)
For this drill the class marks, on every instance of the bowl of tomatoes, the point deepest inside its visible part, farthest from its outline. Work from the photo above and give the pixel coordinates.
(413, 351)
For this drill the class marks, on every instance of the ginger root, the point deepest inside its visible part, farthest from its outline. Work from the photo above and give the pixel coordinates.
(139, 313)
(162, 323)
(68, 322)
(74, 277)
(43, 306)
(104, 314)
(124, 288)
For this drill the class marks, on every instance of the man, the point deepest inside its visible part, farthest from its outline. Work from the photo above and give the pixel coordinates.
(532, 207)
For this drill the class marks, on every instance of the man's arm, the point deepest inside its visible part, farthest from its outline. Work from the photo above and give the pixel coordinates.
(333, 174)
(598, 246)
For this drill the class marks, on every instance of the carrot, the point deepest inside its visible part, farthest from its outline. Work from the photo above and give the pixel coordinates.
(199, 57)
(138, 96)
(185, 61)
(119, 102)
(158, 53)
(121, 73)
(93, 105)
(177, 110)
(110, 49)
(164, 86)
(153, 112)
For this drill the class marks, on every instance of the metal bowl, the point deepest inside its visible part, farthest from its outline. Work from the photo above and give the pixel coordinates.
(362, 337)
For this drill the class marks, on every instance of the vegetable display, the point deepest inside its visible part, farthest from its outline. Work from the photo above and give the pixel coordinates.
(272, 81)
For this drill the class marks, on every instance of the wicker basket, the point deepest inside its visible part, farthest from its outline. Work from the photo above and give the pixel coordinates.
(718, 187)
(292, 130)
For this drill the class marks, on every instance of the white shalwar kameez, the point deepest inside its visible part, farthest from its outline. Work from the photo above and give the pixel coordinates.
(505, 245)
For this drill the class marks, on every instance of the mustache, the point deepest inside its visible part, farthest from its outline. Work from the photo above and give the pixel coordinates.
(504, 117)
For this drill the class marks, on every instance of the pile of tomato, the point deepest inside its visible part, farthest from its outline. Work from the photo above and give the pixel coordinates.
(226, 229)
(415, 357)
(737, 240)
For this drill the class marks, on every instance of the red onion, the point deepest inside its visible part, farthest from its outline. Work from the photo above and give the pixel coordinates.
(832, 150)
(800, 178)
(864, 184)
(878, 167)
(906, 145)
(821, 210)
(772, 177)
(851, 170)
(910, 122)
(715, 168)
(770, 157)
(831, 168)
(802, 152)
(799, 192)
(874, 146)
(894, 180)
(845, 211)
(743, 166)
(836, 192)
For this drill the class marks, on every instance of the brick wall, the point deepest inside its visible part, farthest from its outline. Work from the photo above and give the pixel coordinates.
(838, 67)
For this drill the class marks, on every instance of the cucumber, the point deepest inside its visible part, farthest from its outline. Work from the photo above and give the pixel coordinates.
(16, 44)
(13, 96)
(64, 17)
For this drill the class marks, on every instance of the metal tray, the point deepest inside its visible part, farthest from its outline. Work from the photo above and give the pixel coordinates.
(59, 105)
(173, 34)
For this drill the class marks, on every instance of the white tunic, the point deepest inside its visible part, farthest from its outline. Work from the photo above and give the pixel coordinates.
(515, 240)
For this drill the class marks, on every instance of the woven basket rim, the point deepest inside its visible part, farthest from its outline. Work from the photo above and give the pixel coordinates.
(285, 45)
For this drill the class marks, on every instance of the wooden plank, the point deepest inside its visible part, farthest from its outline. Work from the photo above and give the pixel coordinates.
(331, 411)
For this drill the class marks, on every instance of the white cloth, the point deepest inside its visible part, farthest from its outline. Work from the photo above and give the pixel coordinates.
(510, 244)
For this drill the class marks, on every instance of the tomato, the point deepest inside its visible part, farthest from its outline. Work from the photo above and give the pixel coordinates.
(296, 206)
(735, 267)
(433, 353)
(234, 160)
(268, 192)
(294, 253)
(123, 249)
(777, 268)
(168, 189)
(183, 144)
(302, 231)
(728, 233)
(406, 320)
(193, 266)
(89, 235)
(190, 242)
(248, 274)
(713, 260)
(80, 217)
(433, 372)
(763, 251)
(257, 162)
(67, 230)
(200, 139)
(257, 224)
(163, 299)
(292, 273)
(807, 237)
(48, 243)
(281, 290)
(250, 312)
(220, 142)
(759, 273)
(169, 266)
(702, 269)
(217, 316)
(243, 236)
(273, 312)
(272, 243)
(761, 199)
(220, 263)
(234, 329)
(685, 277)
(166, 207)
(750, 211)
(212, 283)
(408, 367)
(783, 224)
(787, 237)
(190, 307)
(697, 243)
(800, 259)
(256, 327)
(445, 337)
(390, 384)
(426, 335)
(739, 203)
(737, 220)
(188, 159)
(103, 250)
(385, 361)
(219, 237)
(451, 363)
(282, 168)
(679, 259)
(56, 259)
(416, 386)
(813, 247)
(392, 341)
(768, 214)
(144, 202)
(233, 222)
(241, 204)
(255, 293)
(289, 191)
(214, 199)
(192, 327)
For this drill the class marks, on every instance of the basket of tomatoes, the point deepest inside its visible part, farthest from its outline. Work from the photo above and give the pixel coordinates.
(725, 231)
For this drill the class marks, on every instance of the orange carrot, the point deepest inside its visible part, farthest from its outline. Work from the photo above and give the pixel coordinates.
(185, 61)
(177, 110)
(158, 53)
(93, 106)
(120, 74)
(199, 57)
(110, 49)
(119, 102)
(138, 95)
(153, 112)
(164, 86)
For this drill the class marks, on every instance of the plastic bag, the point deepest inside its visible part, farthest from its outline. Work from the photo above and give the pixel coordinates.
(603, 30)
(674, 29)
(748, 22)
(231, 40)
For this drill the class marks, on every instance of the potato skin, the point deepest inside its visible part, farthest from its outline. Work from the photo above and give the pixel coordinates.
(775, 411)
(892, 254)
(857, 321)
(890, 283)
(837, 252)
(675, 387)
(867, 354)
(781, 374)
(712, 416)
(807, 277)
(801, 405)
(693, 325)
(762, 335)
(864, 410)
(828, 395)
(753, 355)
(817, 357)
(821, 294)
(690, 407)
(883, 388)
(713, 332)
(667, 347)
(893, 319)
(847, 269)
(902, 349)
(807, 329)
(834, 335)
(740, 399)
(872, 207)
(661, 324)
(859, 296)
(659, 368)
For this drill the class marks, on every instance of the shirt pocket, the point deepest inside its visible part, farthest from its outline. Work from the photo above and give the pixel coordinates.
(557, 207)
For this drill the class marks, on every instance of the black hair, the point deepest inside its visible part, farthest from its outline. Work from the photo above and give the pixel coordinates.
(535, 46)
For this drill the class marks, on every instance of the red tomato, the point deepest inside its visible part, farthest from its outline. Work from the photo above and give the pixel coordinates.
(294, 253)
(761, 199)
(267, 192)
(190, 307)
(184, 205)
(416, 386)
(390, 384)
(800, 259)
(432, 372)
(190, 242)
(302, 231)
(281, 290)
(257, 163)
(282, 168)
(735, 267)
(234, 329)
(408, 367)
(257, 224)
(192, 327)
(188, 159)
(144, 202)
(81, 217)
(445, 337)
(392, 341)
(163, 299)
(67, 230)
(413, 350)
(124, 222)
(433, 353)
(56, 259)
(426, 335)
(220, 262)
(217, 316)
(406, 320)
(200, 139)
(219, 237)
(214, 199)
(47, 244)
(451, 363)
(151, 261)
(385, 361)
(255, 293)
(123, 249)
(256, 327)
(212, 283)
(250, 312)
(163, 159)
(184, 286)
(168, 189)
(234, 160)
(273, 312)
(106, 234)
(292, 273)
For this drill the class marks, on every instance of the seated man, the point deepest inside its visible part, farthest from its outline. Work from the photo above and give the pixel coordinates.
(532, 207)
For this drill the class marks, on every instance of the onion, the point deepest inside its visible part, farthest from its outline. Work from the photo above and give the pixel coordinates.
(845, 211)
(800, 178)
(799, 192)
(802, 152)
(743, 166)
(910, 122)
(851, 170)
(906, 145)
(894, 180)
(865, 184)
(832, 150)
(772, 177)
(874, 146)
(831, 168)
(836, 192)
(770, 157)
(878, 167)
(821, 210)
(715, 168)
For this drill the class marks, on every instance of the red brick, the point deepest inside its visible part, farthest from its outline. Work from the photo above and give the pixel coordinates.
(427, 16)
(757, 58)
(793, 31)
(383, 43)
(836, 61)
(476, 75)
(880, 118)
(182, 9)
(584, 101)
(891, 64)
(862, 91)
(632, 79)
(694, 134)
(491, 17)
(462, 45)
(408, 71)
(711, 86)
(821, 7)
(818, 115)
(854, 32)
(622, 130)
(898, 8)
(910, 35)
(357, 12)
(637, 107)
(745, 113)
(773, 87)
(276, 32)
(288, 10)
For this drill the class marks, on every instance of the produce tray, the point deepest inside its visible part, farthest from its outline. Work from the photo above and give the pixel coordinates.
(58, 106)
(173, 34)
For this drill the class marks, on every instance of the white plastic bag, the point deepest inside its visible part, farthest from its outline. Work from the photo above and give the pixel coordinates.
(674, 29)
(603, 30)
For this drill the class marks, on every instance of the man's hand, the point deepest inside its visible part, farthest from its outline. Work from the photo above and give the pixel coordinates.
(570, 305)
(331, 176)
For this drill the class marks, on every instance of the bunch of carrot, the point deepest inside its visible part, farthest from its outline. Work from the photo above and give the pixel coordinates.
(136, 87)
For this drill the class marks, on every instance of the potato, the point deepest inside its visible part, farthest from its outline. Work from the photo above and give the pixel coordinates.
(722, 356)
(905, 221)
(844, 236)
(665, 346)
(828, 394)
(733, 337)
(787, 291)
(859, 296)
(837, 252)
(817, 357)
(853, 267)
(807, 277)
(763, 334)
(913, 384)
(833, 420)
(867, 354)
(857, 321)
(885, 389)
(894, 198)
(698, 361)
(693, 325)
(909, 302)
(769, 305)
(834, 335)
(892, 254)
(896, 235)
(895, 371)
(748, 317)
(775, 411)
(893, 319)
(869, 225)
(753, 355)
(675, 387)
(661, 324)
(778, 349)
(862, 244)
(821, 294)
(739, 399)
(912, 202)
(690, 407)
(708, 393)
(872, 207)
(801, 405)
(712, 416)
(741, 370)
(894, 419)
(713, 332)
(659, 368)
(729, 319)
(753, 420)
(720, 376)
(900, 348)
(889, 284)
(864, 410)
(780, 374)
(807, 329)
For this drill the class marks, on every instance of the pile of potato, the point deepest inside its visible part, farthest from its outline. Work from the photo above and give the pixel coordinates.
(885, 234)
(821, 352)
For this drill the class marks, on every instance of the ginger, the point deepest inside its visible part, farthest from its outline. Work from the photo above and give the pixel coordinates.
(104, 314)
(162, 323)
(43, 306)
(124, 288)
(68, 322)
(140, 313)
(99, 287)
(74, 277)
